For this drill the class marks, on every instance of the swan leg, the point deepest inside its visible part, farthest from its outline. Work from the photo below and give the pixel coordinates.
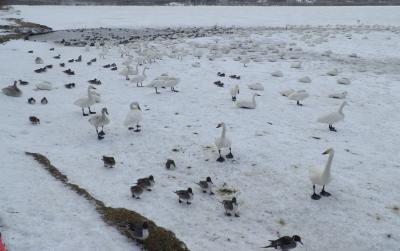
(220, 159)
(332, 129)
(137, 128)
(83, 112)
(179, 200)
(315, 196)
(229, 155)
(233, 98)
(102, 133)
(173, 89)
(298, 103)
(324, 193)
(156, 90)
(91, 111)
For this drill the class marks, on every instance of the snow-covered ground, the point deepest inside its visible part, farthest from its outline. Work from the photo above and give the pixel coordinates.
(273, 145)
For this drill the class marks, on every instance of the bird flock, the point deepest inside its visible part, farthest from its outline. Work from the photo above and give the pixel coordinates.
(139, 58)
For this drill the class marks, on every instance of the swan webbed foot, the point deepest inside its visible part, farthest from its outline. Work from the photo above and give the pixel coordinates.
(332, 129)
(229, 155)
(221, 159)
(315, 196)
(325, 193)
(85, 114)
(138, 198)
(233, 98)
(211, 193)
(237, 215)
(102, 133)
(187, 202)
(99, 137)
(148, 189)
(137, 130)
(130, 128)
(228, 214)
(298, 103)
(180, 201)
(175, 90)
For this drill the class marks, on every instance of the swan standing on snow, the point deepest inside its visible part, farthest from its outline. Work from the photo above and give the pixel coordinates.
(134, 117)
(12, 90)
(126, 72)
(339, 95)
(223, 142)
(171, 82)
(333, 117)
(322, 177)
(87, 102)
(140, 78)
(234, 91)
(248, 104)
(100, 121)
(298, 96)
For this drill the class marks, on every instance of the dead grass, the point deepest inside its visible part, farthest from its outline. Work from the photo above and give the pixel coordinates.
(160, 239)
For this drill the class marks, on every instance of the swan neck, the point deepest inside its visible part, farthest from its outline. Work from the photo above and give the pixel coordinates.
(328, 164)
(341, 108)
(223, 131)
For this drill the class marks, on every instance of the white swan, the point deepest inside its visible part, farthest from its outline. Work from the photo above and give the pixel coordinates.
(45, 86)
(339, 95)
(100, 121)
(12, 90)
(140, 78)
(223, 142)
(333, 72)
(134, 117)
(87, 102)
(286, 93)
(299, 96)
(127, 71)
(305, 79)
(248, 104)
(234, 90)
(296, 65)
(277, 74)
(256, 86)
(333, 117)
(322, 177)
(171, 82)
(343, 81)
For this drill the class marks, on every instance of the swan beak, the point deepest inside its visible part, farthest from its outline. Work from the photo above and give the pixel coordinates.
(326, 152)
(218, 126)
(139, 108)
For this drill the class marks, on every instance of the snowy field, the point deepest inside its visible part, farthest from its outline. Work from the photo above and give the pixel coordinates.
(273, 145)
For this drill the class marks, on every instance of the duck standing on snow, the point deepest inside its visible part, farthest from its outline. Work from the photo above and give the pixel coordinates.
(333, 117)
(223, 142)
(134, 117)
(12, 90)
(234, 90)
(87, 102)
(322, 177)
(140, 78)
(136, 191)
(100, 121)
(248, 104)
(231, 207)
(186, 195)
(146, 183)
(298, 96)
(206, 185)
(285, 243)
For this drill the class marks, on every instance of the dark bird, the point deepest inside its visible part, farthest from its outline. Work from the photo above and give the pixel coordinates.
(186, 195)
(139, 232)
(170, 164)
(79, 59)
(146, 183)
(94, 81)
(108, 161)
(57, 57)
(31, 101)
(219, 83)
(206, 185)
(221, 74)
(231, 207)
(34, 120)
(44, 101)
(136, 191)
(69, 72)
(21, 82)
(62, 64)
(70, 85)
(285, 243)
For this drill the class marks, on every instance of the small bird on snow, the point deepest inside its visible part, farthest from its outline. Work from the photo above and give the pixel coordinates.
(186, 195)
(285, 243)
(231, 207)
(206, 185)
